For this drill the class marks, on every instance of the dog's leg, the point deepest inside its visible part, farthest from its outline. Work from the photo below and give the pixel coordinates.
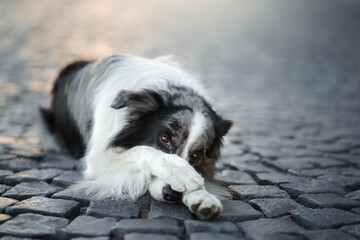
(203, 204)
(170, 168)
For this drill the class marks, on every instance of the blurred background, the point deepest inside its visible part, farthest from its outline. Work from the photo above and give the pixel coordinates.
(287, 72)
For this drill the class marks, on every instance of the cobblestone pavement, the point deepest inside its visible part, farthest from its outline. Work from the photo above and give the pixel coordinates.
(287, 73)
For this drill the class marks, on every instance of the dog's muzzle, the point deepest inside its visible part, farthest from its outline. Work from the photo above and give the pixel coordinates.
(170, 195)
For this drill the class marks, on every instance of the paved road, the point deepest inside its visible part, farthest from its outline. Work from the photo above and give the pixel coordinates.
(287, 73)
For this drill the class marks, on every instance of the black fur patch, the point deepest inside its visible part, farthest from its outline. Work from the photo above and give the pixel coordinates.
(65, 126)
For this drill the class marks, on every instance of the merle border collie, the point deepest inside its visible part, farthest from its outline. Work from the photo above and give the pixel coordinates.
(139, 124)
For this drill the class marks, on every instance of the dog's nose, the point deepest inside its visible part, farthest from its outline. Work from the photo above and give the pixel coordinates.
(170, 195)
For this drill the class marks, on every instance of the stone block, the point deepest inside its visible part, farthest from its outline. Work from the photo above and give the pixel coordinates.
(159, 226)
(233, 177)
(352, 229)
(268, 226)
(169, 210)
(327, 234)
(70, 193)
(31, 189)
(6, 202)
(325, 200)
(87, 226)
(277, 178)
(323, 218)
(256, 191)
(274, 207)
(237, 211)
(67, 178)
(314, 186)
(148, 236)
(212, 236)
(33, 175)
(32, 226)
(45, 206)
(113, 208)
(193, 226)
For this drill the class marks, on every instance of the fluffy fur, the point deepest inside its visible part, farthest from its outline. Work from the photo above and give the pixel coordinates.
(139, 124)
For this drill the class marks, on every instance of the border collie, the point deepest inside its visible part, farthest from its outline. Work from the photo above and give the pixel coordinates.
(139, 124)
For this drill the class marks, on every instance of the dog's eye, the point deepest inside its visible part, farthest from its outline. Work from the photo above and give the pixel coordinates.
(165, 139)
(196, 155)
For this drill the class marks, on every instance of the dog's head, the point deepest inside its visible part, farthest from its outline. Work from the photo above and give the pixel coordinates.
(176, 121)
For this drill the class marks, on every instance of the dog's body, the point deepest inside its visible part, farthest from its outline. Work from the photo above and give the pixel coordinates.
(140, 125)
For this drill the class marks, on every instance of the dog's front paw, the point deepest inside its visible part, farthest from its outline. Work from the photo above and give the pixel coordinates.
(203, 204)
(179, 174)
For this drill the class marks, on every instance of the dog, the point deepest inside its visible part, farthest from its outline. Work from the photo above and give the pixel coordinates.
(139, 125)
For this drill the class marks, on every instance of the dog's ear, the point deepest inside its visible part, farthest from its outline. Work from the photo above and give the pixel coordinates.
(146, 100)
(223, 125)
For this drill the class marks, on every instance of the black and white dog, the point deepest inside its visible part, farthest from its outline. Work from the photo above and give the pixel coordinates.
(139, 124)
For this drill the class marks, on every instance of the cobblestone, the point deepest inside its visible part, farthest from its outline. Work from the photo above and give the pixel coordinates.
(328, 234)
(6, 202)
(169, 210)
(325, 200)
(113, 208)
(314, 186)
(237, 211)
(274, 207)
(32, 225)
(352, 229)
(87, 226)
(257, 191)
(263, 227)
(33, 175)
(67, 178)
(31, 189)
(323, 218)
(159, 226)
(212, 236)
(293, 96)
(148, 236)
(234, 177)
(45, 206)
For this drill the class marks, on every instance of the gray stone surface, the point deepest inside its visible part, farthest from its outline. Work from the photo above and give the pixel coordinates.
(5, 202)
(58, 161)
(277, 178)
(314, 186)
(352, 229)
(113, 208)
(33, 175)
(344, 181)
(237, 211)
(328, 234)
(4, 173)
(274, 207)
(78, 195)
(149, 236)
(354, 195)
(31, 189)
(169, 210)
(4, 218)
(212, 236)
(234, 177)
(87, 226)
(323, 218)
(4, 188)
(67, 178)
(263, 227)
(45, 206)
(17, 165)
(324, 200)
(32, 225)
(294, 97)
(257, 191)
(92, 238)
(193, 226)
(159, 226)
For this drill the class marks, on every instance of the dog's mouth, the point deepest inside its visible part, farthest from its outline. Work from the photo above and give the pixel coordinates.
(169, 195)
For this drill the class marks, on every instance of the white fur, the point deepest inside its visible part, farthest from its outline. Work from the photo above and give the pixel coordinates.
(196, 129)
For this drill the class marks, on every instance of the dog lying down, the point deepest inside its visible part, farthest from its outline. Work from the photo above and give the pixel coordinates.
(139, 124)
